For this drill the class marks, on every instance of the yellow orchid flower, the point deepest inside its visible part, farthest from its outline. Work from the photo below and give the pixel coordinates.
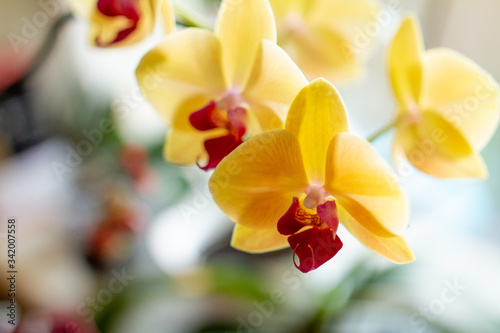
(448, 107)
(123, 22)
(292, 186)
(325, 38)
(217, 89)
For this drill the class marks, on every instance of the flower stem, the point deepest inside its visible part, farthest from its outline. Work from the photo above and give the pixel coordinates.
(189, 18)
(380, 132)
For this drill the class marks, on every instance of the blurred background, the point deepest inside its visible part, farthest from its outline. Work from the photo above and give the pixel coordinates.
(110, 238)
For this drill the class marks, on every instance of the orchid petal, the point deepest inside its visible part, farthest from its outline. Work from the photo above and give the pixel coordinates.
(282, 8)
(267, 117)
(405, 63)
(365, 186)
(396, 249)
(463, 94)
(241, 26)
(316, 115)
(322, 52)
(274, 82)
(257, 240)
(350, 14)
(255, 183)
(185, 65)
(436, 147)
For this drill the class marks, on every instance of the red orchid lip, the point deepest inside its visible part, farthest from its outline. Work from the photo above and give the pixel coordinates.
(314, 247)
(217, 149)
(126, 8)
(311, 236)
(210, 117)
(206, 118)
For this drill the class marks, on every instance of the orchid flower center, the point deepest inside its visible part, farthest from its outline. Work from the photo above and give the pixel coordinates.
(230, 100)
(311, 225)
(414, 116)
(227, 113)
(294, 24)
(316, 196)
(125, 14)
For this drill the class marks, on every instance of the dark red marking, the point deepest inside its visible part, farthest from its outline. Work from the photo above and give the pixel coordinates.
(328, 213)
(219, 148)
(210, 117)
(288, 224)
(318, 242)
(314, 247)
(126, 8)
(237, 118)
(203, 119)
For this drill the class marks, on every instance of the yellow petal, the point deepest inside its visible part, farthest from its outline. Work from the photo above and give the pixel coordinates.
(317, 114)
(186, 64)
(268, 117)
(168, 14)
(185, 147)
(339, 13)
(462, 93)
(283, 8)
(405, 63)
(353, 19)
(436, 147)
(322, 36)
(275, 80)
(257, 240)
(365, 186)
(241, 26)
(321, 52)
(255, 184)
(396, 249)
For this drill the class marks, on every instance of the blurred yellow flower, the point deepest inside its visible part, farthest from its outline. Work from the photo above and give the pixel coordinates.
(325, 38)
(448, 107)
(217, 89)
(295, 184)
(123, 22)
